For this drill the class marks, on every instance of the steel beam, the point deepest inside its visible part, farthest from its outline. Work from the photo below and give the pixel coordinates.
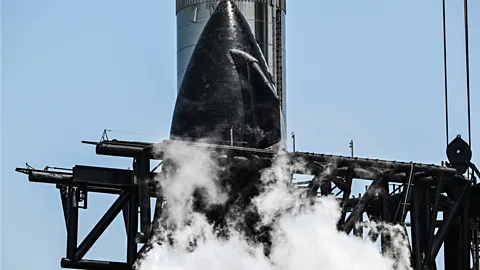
(447, 223)
(433, 219)
(102, 225)
(361, 206)
(91, 179)
(72, 230)
(63, 190)
(385, 215)
(452, 246)
(142, 171)
(94, 265)
(102, 177)
(346, 194)
(155, 151)
(342, 161)
(50, 177)
(465, 232)
(132, 228)
(416, 229)
(137, 182)
(368, 173)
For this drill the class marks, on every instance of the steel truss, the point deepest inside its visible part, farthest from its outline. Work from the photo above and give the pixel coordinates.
(421, 190)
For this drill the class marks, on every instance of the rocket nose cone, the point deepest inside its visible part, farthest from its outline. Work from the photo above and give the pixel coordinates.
(227, 23)
(226, 7)
(226, 16)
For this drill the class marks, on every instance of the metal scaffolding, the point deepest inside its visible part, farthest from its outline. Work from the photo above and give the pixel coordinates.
(420, 190)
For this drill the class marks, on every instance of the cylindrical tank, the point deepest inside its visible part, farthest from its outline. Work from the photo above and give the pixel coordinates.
(267, 22)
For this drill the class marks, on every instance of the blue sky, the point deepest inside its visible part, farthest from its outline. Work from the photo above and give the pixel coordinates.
(366, 70)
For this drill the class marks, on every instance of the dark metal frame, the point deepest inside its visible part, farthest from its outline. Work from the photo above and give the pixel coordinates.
(133, 191)
(425, 190)
(423, 198)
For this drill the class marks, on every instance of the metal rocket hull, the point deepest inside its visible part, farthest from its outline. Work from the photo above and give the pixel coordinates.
(227, 95)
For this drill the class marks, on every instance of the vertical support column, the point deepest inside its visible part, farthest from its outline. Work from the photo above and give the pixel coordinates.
(142, 173)
(424, 220)
(426, 214)
(452, 246)
(64, 198)
(433, 219)
(346, 195)
(72, 228)
(325, 184)
(132, 227)
(465, 233)
(385, 239)
(416, 229)
(450, 233)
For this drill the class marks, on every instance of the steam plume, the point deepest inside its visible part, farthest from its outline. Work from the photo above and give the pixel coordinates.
(303, 233)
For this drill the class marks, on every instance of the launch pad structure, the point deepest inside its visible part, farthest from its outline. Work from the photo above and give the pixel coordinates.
(256, 96)
(422, 190)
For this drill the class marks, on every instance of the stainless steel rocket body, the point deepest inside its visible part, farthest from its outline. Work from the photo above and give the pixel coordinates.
(266, 19)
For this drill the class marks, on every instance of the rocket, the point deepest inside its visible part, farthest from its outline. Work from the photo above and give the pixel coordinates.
(227, 95)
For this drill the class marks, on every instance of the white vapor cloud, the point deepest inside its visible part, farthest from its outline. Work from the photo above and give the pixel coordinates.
(304, 234)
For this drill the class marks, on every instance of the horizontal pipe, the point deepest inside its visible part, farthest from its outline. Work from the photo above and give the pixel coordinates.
(50, 177)
(94, 265)
(118, 150)
(67, 179)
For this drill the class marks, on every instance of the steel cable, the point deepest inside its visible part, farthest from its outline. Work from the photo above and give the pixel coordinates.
(445, 69)
(467, 63)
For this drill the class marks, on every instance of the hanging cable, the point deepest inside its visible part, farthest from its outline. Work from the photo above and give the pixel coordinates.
(445, 69)
(467, 63)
